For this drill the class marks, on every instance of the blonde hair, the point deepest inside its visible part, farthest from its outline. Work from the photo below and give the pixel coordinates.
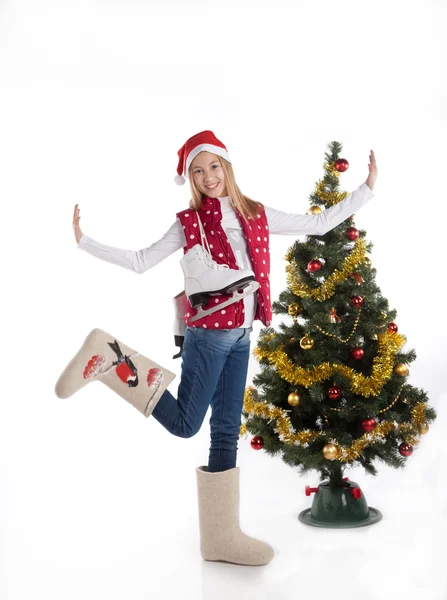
(245, 205)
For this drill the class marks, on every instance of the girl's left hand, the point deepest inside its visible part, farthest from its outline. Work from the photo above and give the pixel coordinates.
(372, 171)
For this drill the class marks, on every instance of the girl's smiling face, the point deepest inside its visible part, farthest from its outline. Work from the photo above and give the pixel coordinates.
(208, 175)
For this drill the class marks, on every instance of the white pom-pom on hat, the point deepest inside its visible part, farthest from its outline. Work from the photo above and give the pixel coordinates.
(179, 180)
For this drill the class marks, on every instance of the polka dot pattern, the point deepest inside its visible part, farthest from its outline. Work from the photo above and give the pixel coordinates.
(258, 250)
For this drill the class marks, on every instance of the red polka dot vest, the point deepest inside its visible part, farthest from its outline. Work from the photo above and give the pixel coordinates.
(256, 234)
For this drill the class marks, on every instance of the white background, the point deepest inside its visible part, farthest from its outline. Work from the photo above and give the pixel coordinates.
(96, 97)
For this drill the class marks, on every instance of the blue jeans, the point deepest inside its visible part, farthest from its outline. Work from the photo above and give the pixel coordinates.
(214, 372)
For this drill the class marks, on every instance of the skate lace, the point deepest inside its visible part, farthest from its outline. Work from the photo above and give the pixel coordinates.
(210, 262)
(207, 258)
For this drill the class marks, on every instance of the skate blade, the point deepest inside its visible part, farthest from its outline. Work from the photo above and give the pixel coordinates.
(203, 297)
(250, 289)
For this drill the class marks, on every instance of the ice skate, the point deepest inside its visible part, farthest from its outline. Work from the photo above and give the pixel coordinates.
(204, 277)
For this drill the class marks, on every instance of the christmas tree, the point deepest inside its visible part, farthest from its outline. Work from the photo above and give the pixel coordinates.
(333, 389)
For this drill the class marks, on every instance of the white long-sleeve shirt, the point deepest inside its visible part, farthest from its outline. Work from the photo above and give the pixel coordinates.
(279, 223)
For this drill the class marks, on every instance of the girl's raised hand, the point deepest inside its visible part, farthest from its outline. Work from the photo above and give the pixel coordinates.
(372, 171)
(77, 229)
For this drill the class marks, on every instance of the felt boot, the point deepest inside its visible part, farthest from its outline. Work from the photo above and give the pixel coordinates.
(221, 538)
(131, 375)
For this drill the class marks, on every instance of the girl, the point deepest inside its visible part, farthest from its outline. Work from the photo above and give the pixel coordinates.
(216, 346)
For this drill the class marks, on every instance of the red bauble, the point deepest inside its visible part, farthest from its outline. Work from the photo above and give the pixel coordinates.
(353, 234)
(406, 449)
(357, 353)
(334, 393)
(314, 265)
(368, 424)
(357, 301)
(393, 328)
(257, 443)
(341, 165)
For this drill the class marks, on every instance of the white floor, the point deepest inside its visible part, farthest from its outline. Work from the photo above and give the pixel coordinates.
(97, 502)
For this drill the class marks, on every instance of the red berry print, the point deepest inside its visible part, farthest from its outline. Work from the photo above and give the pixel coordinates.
(94, 366)
(153, 376)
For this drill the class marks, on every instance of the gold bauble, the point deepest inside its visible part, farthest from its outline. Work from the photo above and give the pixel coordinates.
(293, 399)
(374, 336)
(307, 343)
(401, 369)
(330, 451)
(384, 315)
(294, 310)
(423, 428)
(367, 261)
(314, 210)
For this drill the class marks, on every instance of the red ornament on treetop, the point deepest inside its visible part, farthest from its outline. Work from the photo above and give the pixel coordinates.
(257, 443)
(352, 233)
(314, 265)
(341, 165)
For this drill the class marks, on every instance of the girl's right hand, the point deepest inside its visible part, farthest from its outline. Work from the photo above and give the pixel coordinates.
(77, 229)
(370, 182)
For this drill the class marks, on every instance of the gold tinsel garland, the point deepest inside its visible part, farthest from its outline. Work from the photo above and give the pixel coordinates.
(271, 412)
(329, 198)
(382, 369)
(299, 288)
(418, 414)
(288, 435)
(331, 169)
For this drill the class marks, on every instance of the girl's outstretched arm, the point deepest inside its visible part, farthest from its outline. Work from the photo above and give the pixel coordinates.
(298, 224)
(135, 260)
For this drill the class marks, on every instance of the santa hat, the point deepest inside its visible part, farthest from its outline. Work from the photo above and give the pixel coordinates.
(205, 141)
